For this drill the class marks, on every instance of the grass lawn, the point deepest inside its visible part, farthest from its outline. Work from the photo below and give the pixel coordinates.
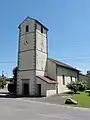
(83, 99)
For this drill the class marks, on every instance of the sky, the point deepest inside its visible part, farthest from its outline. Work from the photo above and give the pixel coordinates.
(68, 22)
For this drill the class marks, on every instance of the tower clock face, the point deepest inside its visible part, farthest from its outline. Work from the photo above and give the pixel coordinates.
(26, 42)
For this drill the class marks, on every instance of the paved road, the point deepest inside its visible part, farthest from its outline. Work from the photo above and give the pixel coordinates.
(60, 99)
(37, 109)
(21, 109)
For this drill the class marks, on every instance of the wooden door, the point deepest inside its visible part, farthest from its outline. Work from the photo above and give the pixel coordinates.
(39, 89)
(26, 89)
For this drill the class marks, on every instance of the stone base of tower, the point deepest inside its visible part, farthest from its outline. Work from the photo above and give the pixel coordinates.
(26, 83)
(28, 87)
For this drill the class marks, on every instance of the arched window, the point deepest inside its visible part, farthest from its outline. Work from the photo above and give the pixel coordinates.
(27, 28)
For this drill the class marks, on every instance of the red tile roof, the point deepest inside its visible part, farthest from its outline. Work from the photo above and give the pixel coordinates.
(62, 64)
(48, 80)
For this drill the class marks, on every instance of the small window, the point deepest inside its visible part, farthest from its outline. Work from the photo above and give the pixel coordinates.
(27, 28)
(41, 29)
(63, 80)
(71, 78)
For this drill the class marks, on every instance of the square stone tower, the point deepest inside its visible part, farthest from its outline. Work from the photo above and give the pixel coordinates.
(32, 55)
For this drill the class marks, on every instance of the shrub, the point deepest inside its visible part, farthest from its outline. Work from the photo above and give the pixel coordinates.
(72, 86)
(11, 88)
(82, 85)
(77, 86)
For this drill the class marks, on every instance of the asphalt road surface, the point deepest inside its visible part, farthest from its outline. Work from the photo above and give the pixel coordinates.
(38, 109)
(21, 109)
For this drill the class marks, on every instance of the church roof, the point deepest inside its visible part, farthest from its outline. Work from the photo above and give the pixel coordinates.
(46, 79)
(63, 64)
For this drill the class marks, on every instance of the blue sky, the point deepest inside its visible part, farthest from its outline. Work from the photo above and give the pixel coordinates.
(68, 22)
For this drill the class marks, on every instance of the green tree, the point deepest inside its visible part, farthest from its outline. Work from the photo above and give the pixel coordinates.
(2, 82)
(15, 77)
(12, 86)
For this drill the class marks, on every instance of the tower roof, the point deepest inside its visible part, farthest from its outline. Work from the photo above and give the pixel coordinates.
(35, 21)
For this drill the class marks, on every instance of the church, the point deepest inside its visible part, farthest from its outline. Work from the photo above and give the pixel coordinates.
(37, 74)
